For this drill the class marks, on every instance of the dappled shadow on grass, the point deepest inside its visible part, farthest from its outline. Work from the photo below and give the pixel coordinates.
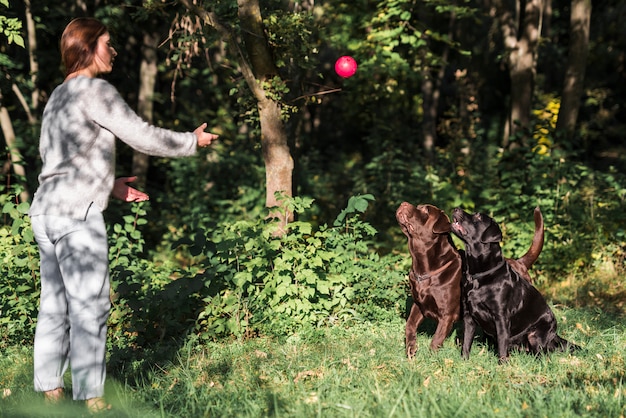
(603, 292)
(606, 300)
(578, 377)
(151, 323)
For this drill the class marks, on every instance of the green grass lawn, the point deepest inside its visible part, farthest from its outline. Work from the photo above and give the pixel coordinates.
(356, 371)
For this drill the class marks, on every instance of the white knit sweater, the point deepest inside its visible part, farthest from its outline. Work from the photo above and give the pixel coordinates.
(77, 146)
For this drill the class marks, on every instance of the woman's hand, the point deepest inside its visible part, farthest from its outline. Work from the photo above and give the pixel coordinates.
(122, 191)
(204, 138)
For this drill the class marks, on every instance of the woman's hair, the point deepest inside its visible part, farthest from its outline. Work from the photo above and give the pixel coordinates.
(79, 42)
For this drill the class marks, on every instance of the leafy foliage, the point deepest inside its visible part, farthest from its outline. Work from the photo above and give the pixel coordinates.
(305, 278)
(11, 27)
(19, 269)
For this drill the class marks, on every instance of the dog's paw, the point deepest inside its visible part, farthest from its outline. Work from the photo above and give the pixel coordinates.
(410, 352)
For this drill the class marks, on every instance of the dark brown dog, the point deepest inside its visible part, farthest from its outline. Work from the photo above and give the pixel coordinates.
(497, 297)
(435, 276)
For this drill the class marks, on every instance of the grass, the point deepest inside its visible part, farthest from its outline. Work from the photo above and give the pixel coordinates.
(361, 371)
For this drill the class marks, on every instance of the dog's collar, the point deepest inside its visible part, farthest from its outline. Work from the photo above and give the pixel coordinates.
(476, 276)
(421, 277)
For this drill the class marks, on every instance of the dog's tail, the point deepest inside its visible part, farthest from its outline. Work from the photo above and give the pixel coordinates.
(536, 246)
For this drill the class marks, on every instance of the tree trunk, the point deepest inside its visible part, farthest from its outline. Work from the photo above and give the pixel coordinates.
(575, 73)
(279, 164)
(147, 79)
(431, 90)
(429, 118)
(276, 154)
(521, 28)
(32, 55)
(16, 157)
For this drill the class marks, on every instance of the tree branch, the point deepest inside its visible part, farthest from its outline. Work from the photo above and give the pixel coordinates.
(211, 19)
(22, 100)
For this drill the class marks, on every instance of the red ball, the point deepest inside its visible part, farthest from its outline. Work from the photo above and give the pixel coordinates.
(345, 66)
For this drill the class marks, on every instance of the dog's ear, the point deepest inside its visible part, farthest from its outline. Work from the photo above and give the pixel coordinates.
(492, 234)
(442, 224)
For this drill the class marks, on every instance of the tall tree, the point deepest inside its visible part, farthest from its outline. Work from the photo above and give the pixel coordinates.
(432, 82)
(276, 153)
(580, 19)
(259, 71)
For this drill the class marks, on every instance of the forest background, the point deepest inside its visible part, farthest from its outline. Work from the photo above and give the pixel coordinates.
(288, 222)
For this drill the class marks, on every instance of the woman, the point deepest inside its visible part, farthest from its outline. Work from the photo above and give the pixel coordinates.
(77, 145)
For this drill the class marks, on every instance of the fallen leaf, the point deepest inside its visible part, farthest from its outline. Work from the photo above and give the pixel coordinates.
(305, 374)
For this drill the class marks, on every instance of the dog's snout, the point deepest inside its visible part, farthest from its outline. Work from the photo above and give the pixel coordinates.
(457, 214)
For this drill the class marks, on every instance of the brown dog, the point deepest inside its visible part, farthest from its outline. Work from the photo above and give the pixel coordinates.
(435, 276)
(436, 270)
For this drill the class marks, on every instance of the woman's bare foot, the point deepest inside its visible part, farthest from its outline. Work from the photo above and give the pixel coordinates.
(96, 405)
(54, 395)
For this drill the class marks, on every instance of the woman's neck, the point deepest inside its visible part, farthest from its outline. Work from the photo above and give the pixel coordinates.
(87, 72)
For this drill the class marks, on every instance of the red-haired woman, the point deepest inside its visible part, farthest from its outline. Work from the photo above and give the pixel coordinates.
(80, 122)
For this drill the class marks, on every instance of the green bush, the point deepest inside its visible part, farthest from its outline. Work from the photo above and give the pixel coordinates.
(241, 280)
(19, 269)
(152, 301)
(270, 284)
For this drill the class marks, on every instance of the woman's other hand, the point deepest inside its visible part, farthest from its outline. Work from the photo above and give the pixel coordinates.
(122, 191)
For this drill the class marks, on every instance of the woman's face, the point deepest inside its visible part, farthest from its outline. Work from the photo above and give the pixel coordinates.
(105, 55)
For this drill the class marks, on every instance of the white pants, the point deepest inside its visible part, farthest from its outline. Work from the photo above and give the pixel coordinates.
(74, 305)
